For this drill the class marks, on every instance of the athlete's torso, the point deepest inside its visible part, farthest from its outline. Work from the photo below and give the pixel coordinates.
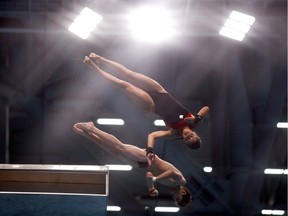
(160, 166)
(168, 108)
(171, 111)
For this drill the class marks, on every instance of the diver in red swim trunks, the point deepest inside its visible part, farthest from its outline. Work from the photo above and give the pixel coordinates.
(159, 170)
(150, 96)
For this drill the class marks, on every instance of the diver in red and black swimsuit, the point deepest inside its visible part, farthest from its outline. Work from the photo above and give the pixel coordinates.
(150, 96)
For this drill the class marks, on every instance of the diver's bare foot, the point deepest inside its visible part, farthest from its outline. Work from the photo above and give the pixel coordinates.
(83, 127)
(96, 57)
(87, 60)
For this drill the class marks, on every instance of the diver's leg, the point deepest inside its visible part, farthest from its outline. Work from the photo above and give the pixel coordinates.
(110, 142)
(141, 98)
(144, 82)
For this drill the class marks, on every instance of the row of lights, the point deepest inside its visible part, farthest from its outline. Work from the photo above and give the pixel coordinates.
(155, 23)
(156, 209)
(272, 212)
(117, 121)
(267, 171)
(146, 23)
(157, 122)
(176, 209)
(237, 25)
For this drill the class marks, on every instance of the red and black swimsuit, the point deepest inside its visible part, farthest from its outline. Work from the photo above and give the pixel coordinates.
(170, 110)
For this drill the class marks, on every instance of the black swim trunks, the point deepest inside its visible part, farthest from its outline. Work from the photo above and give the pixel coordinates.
(142, 164)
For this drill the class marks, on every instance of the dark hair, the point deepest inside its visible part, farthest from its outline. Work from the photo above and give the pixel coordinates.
(195, 144)
(186, 198)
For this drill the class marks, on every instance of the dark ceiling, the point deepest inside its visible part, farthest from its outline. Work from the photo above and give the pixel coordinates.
(45, 88)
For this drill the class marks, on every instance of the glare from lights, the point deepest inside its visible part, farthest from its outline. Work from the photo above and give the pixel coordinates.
(159, 122)
(275, 171)
(110, 121)
(119, 167)
(282, 125)
(237, 26)
(113, 208)
(232, 24)
(207, 169)
(166, 209)
(79, 31)
(151, 24)
(85, 23)
(241, 17)
(232, 34)
(272, 212)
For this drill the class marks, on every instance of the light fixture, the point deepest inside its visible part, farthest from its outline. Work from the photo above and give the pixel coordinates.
(207, 169)
(110, 121)
(275, 171)
(272, 212)
(241, 17)
(166, 209)
(237, 25)
(151, 24)
(119, 167)
(85, 23)
(282, 125)
(159, 122)
(113, 208)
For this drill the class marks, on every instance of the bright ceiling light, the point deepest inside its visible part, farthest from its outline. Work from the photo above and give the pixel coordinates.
(151, 24)
(272, 212)
(113, 208)
(282, 125)
(79, 31)
(241, 17)
(275, 171)
(166, 209)
(119, 167)
(110, 121)
(237, 26)
(232, 34)
(159, 122)
(207, 169)
(85, 23)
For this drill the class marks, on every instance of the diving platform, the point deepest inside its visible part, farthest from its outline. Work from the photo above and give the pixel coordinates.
(45, 190)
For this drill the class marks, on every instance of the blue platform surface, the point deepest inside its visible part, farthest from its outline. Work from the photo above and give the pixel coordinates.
(57, 190)
(54, 205)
